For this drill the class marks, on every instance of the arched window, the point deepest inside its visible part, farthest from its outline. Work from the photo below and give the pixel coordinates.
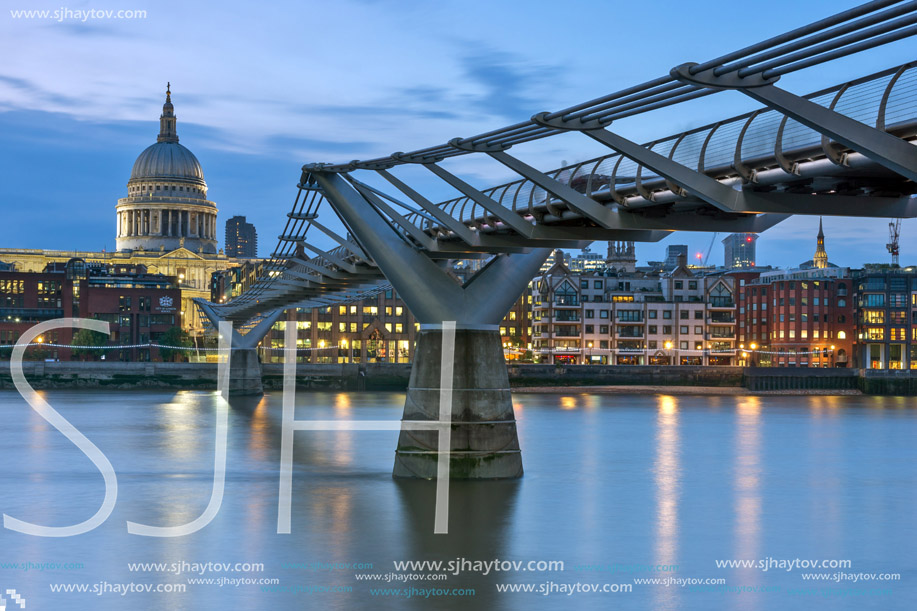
(841, 335)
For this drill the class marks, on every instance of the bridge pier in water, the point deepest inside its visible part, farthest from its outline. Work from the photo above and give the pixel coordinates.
(244, 364)
(484, 443)
(483, 438)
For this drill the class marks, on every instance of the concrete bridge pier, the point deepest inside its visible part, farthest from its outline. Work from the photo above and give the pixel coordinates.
(484, 443)
(244, 365)
(483, 438)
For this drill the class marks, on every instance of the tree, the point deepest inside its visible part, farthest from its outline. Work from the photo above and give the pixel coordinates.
(88, 337)
(177, 339)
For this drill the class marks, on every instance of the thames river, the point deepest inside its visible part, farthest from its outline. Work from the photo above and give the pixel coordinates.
(659, 502)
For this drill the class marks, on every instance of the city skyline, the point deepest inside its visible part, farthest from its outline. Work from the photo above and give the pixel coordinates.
(89, 123)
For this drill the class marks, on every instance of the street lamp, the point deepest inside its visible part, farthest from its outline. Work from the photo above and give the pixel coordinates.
(753, 346)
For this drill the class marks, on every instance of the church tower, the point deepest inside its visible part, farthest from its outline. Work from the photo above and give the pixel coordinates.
(622, 256)
(820, 260)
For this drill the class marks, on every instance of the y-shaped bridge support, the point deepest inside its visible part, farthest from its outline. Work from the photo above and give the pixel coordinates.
(244, 366)
(484, 441)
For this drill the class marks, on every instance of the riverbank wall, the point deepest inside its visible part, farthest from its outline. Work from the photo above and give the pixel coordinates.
(392, 376)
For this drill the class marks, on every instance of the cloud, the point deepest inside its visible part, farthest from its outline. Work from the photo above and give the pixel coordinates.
(33, 91)
(509, 85)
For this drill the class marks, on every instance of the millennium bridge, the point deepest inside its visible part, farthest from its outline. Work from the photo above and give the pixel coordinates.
(847, 150)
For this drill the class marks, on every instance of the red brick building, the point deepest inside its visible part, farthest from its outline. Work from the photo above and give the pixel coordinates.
(139, 307)
(27, 299)
(799, 318)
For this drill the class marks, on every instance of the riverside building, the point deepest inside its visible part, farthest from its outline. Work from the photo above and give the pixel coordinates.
(887, 318)
(138, 306)
(633, 318)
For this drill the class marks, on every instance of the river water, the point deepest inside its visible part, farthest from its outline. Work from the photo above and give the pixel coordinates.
(620, 488)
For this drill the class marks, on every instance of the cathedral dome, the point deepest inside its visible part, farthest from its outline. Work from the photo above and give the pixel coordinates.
(167, 160)
(166, 207)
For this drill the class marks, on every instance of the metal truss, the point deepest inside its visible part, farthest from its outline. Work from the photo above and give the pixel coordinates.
(848, 150)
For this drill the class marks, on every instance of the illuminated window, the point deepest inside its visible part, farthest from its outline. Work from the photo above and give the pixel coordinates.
(875, 333)
(874, 317)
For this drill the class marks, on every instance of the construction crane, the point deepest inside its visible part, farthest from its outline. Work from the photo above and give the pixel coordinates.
(709, 249)
(894, 232)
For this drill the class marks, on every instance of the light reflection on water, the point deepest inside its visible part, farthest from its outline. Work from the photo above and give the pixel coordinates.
(610, 479)
(667, 477)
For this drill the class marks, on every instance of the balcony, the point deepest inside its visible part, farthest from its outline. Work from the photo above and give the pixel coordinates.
(567, 316)
(720, 303)
(567, 332)
(722, 334)
(566, 302)
(722, 318)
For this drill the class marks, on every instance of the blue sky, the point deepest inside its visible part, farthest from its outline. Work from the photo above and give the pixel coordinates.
(259, 90)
